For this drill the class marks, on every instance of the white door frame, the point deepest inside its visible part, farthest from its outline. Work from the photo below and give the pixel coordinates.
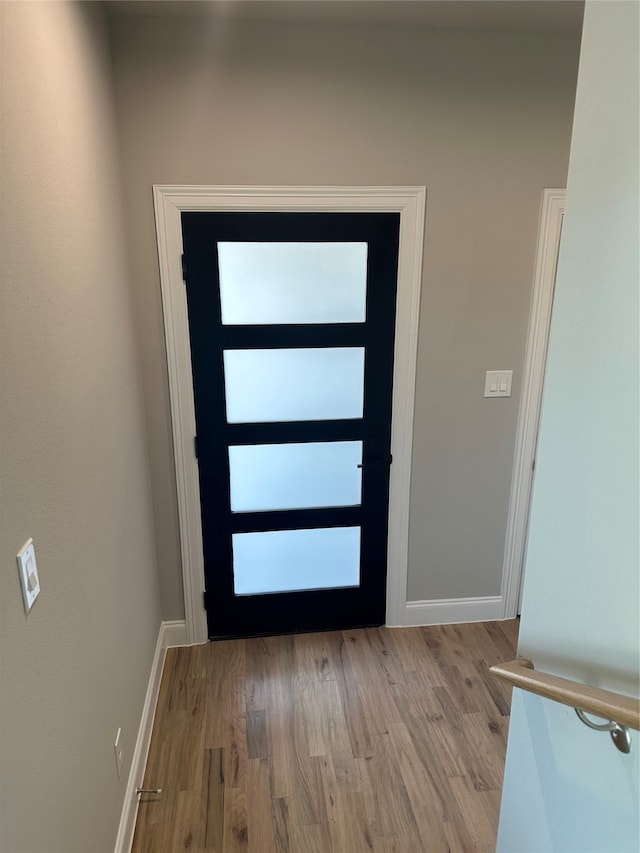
(549, 231)
(169, 202)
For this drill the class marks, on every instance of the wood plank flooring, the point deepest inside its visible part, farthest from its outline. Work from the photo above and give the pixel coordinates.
(385, 739)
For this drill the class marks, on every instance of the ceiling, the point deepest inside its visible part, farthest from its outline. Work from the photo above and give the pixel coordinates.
(560, 16)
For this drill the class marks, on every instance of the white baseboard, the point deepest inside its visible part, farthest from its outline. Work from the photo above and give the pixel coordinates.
(170, 634)
(447, 611)
(174, 633)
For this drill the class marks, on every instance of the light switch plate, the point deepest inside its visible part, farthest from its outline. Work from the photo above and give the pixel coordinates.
(28, 574)
(497, 383)
(119, 751)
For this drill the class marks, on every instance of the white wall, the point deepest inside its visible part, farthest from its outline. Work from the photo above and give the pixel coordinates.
(482, 119)
(73, 450)
(566, 787)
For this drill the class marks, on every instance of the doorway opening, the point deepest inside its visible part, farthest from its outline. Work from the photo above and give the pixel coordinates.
(403, 205)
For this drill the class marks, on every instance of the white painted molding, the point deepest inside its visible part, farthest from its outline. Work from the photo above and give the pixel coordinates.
(170, 634)
(174, 633)
(176, 333)
(447, 611)
(553, 204)
(169, 203)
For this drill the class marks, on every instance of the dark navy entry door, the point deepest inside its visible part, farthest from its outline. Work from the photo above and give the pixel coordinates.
(291, 321)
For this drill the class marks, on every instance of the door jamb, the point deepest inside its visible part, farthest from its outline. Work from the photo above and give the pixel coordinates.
(169, 202)
(551, 214)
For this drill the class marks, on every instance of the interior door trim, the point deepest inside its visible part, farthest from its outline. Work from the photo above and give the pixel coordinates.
(544, 279)
(169, 203)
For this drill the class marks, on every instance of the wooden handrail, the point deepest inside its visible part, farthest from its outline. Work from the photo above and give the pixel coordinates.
(616, 707)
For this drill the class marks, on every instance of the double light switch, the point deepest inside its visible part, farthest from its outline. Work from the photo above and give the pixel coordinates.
(498, 383)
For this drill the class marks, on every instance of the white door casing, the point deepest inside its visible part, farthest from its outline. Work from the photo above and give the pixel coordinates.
(169, 202)
(551, 214)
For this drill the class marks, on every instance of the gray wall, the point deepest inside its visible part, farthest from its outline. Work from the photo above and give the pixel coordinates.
(74, 459)
(566, 787)
(483, 120)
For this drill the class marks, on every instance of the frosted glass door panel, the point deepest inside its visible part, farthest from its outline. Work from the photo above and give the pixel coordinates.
(265, 283)
(290, 560)
(294, 384)
(295, 476)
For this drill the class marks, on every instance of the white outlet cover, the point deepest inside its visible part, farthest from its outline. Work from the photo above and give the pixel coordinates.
(28, 571)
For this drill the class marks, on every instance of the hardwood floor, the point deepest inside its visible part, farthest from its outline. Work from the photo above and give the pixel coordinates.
(385, 739)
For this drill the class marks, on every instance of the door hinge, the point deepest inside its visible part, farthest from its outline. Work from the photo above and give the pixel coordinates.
(184, 268)
(204, 598)
(195, 446)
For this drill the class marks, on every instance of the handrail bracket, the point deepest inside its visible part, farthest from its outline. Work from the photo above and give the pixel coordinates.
(620, 735)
